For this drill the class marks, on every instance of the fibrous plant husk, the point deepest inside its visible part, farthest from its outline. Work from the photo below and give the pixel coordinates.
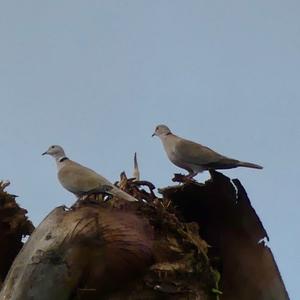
(14, 225)
(198, 241)
(238, 241)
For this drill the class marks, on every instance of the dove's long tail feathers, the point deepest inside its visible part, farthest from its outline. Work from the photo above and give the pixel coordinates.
(249, 165)
(121, 194)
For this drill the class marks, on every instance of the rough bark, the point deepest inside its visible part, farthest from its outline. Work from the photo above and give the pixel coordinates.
(230, 225)
(14, 225)
(151, 249)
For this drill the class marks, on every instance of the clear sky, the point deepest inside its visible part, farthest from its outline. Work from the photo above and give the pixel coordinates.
(98, 76)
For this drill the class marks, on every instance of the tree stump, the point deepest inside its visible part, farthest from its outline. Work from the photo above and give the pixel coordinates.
(199, 241)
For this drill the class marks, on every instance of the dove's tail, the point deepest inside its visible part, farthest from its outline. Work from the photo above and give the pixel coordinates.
(123, 195)
(249, 165)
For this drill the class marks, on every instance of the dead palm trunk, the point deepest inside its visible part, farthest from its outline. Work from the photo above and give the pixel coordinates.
(150, 249)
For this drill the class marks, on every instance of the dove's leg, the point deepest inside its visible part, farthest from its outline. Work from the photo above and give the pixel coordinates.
(101, 191)
(191, 175)
(184, 178)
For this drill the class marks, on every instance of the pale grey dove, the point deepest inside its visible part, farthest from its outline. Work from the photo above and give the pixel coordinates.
(81, 180)
(195, 157)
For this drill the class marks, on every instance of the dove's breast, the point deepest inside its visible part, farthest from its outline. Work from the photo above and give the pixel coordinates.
(184, 164)
(170, 144)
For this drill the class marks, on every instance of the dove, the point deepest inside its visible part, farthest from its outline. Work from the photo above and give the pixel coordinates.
(81, 180)
(194, 157)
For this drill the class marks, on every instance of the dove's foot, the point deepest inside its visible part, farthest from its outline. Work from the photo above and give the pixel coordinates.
(183, 178)
(95, 198)
(98, 194)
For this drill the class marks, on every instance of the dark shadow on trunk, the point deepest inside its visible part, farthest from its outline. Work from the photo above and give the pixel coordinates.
(230, 225)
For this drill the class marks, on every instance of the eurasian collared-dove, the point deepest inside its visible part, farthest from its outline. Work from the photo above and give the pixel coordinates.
(81, 180)
(194, 157)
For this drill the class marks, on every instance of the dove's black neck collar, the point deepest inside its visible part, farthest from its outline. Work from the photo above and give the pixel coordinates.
(62, 159)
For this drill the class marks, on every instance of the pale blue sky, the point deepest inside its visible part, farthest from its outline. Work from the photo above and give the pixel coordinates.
(97, 76)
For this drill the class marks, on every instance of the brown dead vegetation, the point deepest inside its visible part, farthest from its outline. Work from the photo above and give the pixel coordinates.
(198, 241)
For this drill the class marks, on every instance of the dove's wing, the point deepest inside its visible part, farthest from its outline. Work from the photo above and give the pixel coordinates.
(79, 179)
(197, 154)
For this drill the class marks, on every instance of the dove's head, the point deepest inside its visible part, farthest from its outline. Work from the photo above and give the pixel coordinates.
(161, 131)
(55, 151)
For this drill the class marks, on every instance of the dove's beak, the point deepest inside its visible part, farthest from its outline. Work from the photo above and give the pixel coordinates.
(45, 153)
(154, 134)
